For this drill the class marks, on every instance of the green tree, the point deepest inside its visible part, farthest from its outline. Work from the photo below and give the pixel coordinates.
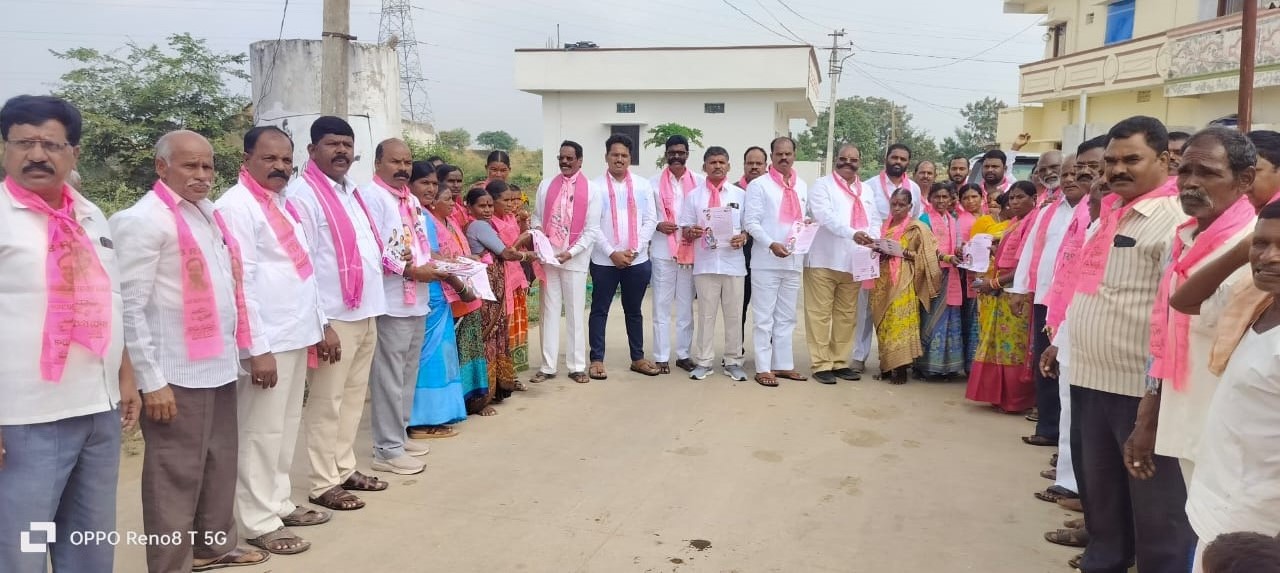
(496, 140)
(129, 100)
(868, 123)
(659, 134)
(979, 128)
(456, 139)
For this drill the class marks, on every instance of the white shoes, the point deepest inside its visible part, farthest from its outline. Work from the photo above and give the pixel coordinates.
(416, 448)
(403, 465)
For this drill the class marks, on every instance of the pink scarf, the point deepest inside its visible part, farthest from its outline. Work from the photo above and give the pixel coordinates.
(509, 231)
(1037, 247)
(343, 233)
(633, 231)
(408, 207)
(1011, 245)
(858, 215)
(1096, 251)
(669, 201)
(789, 211)
(887, 188)
(565, 230)
(742, 183)
(713, 193)
(1062, 289)
(944, 228)
(453, 245)
(244, 338)
(886, 231)
(282, 229)
(78, 307)
(200, 325)
(1170, 346)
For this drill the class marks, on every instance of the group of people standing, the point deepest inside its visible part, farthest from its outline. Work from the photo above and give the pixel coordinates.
(1116, 302)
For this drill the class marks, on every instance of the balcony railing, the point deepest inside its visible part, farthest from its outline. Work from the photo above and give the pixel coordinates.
(1127, 65)
(1205, 57)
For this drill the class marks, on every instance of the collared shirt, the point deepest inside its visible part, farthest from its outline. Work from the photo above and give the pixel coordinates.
(384, 208)
(1049, 251)
(1111, 328)
(284, 310)
(89, 384)
(579, 251)
(724, 260)
(760, 219)
(1236, 484)
(661, 247)
(832, 208)
(151, 274)
(647, 218)
(1183, 412)
(324, 257)
(881, 196)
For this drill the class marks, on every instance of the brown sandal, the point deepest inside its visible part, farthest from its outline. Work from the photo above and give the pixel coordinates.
(278, 542)
(767, 379)
(1054, 493)
(304, 516)
(233, 558)
(579, 377)
(663, 367)
(338, 499)
(645, 367)
(597, 372)
(361, 482)
(1068, 537)
(431, 432)
(541, 377)
(790, 375)
(1077, 523)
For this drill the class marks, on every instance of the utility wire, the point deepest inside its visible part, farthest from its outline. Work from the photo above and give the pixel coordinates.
(758, 23)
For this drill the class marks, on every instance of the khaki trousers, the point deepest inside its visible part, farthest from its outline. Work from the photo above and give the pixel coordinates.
(721, 293)
(335, 403)
(269, 422)
(830, 316)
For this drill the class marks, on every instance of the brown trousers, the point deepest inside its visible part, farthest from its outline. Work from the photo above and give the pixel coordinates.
(189, 480)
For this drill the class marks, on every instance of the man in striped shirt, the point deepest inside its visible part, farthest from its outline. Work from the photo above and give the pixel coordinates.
(1109, 317)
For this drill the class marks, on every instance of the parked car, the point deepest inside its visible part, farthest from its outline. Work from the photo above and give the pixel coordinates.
(1020, 165)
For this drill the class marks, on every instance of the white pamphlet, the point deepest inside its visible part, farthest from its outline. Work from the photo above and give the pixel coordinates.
(718, 225)
(976, 254)
(866, 264)
(801, 239)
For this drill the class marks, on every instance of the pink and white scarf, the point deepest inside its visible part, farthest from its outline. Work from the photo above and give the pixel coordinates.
(508, 229)
(78, 306)
(1097, 250)
(857, 214)
(280, 227)
(789, 211)
(633, 230)
(945, 230)
(1011, 245)
(409, 209)
(671, 207)
(343, 233)
(564, 215)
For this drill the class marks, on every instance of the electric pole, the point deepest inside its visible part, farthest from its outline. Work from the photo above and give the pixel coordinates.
(335, 67)
(833, 77)
(1248, 46)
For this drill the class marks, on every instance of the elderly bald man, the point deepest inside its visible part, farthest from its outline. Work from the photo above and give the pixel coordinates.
(182, 312)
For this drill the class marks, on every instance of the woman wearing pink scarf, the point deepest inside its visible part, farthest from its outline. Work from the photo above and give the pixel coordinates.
(942, 329)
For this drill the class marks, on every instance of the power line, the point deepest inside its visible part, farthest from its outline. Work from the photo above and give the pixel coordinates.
(784, 26)
(271, 67)
(758, 23)
(798, 15)
(941, 108)
(955, 59)
(972, 57)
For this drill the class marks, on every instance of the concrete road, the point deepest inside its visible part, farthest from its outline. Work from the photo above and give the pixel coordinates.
(671, 475)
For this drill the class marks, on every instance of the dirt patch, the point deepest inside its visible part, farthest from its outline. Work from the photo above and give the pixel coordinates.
(863, 438)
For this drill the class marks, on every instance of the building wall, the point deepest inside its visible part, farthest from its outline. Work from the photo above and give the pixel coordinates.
(750, 118)
(1151, 17)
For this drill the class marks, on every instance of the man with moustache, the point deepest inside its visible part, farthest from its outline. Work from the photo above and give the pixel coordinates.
(67, 385)
(847, 215)
(925, 174)
(754, 163)
(406, 270)
(994, 165)
(1177, 140)
(183, 341)
(567, 210)
(718, 268)
(774, 204)
(1216, 171)
(285, 322)
(627, 220)
(1108, 318)
(958, 171)
(347, 254)
(673, 259)
(1048, 177)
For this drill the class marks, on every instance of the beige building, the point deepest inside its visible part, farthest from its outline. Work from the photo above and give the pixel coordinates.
(1105, 60)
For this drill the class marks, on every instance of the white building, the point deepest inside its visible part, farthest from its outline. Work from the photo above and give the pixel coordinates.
(739, 96)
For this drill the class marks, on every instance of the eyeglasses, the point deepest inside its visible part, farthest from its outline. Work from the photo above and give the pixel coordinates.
(48, 146)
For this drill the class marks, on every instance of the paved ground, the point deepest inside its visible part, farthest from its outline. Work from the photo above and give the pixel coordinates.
(671, 475)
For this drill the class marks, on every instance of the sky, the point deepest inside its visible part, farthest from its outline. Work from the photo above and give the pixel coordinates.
(931, 55)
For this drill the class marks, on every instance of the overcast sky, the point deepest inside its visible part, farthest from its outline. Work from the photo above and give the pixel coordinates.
(913, 50)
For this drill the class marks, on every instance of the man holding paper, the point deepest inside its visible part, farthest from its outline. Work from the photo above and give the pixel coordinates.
(712, 220)
(845, 212)
(774, 204)
(567, 210)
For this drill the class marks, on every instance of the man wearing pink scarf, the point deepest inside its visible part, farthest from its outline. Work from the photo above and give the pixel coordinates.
(347, 254)
(673, 258)
(67, 385)
(183, 322)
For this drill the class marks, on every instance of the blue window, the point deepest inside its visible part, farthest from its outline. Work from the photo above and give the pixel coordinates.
(1120, 21)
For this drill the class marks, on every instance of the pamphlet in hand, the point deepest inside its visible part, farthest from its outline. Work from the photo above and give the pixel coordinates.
(543, 249)
(866, 264)
(976, 254)
(717, 223)
(801, 238)
(889, 247)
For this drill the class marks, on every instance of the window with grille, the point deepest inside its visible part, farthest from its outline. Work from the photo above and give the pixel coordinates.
(626, 107)
(713, 108)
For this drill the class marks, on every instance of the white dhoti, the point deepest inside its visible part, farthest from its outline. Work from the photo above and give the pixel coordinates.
(672, 283)
(564, 291)
(774, 296)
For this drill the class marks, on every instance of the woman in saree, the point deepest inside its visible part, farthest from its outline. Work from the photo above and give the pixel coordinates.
(485, 240)
(968, 211)
(1001, 373)
(511, 222)
(942, 332)
(438, 398)
(909, 280)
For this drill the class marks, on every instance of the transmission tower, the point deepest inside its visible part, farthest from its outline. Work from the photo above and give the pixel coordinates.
(396, 30)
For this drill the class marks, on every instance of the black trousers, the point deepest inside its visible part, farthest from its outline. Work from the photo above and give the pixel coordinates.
(1128, 518)
(746, 292)
(604, 284)
(1048, 406)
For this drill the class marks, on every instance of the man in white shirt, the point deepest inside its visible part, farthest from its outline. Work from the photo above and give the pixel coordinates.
(775, 203)
(406, 270)
(283, 308)
(347, 254)
(181, 317)
(1236, 483)
(63, 406)
(845, 209)
(755, 161)
(994, 182)
(1047, 177)
(628, 217)
(880, 187)
(719, 266)
(567, 210)
(672, 269)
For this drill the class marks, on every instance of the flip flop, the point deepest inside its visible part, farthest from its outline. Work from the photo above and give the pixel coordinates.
(767, 379)
(645, 367)
(597, 371)
(1034, 440)
(791, 375)
(230, 560)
